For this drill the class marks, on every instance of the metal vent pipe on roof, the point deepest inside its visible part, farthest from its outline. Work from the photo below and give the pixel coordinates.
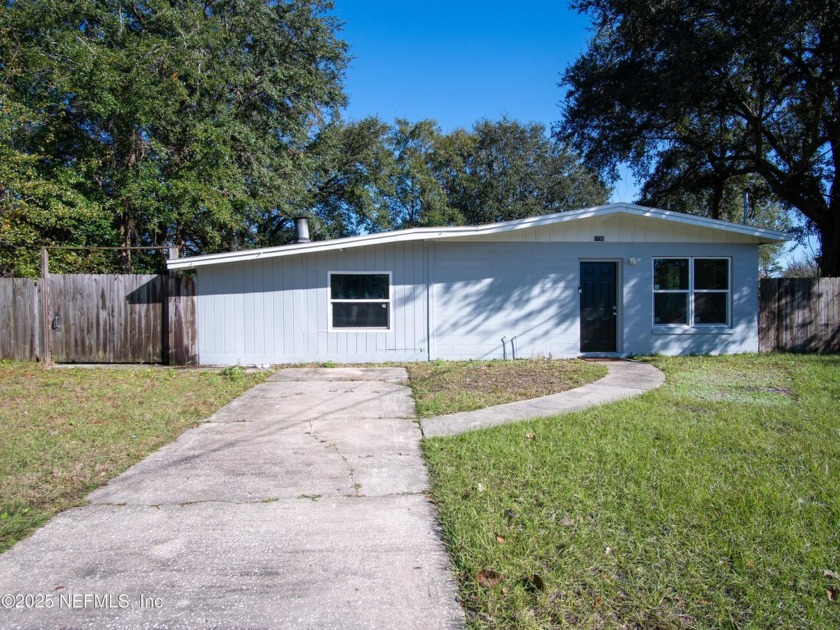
(301, 230)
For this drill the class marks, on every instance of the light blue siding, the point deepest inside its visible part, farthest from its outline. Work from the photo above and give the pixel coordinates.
(457, 300)
(486, 291)
(529, 291)
(642, 337)
(276, 311)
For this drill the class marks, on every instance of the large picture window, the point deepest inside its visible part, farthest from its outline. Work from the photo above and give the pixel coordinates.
(691, 291)
(360, 300)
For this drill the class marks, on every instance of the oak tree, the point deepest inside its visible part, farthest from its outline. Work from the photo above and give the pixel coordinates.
(183, 121)
(694, 94)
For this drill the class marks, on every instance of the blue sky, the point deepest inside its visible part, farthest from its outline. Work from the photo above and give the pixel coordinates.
(459, 62)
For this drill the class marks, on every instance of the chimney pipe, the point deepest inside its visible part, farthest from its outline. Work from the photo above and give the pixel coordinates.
(301, 230)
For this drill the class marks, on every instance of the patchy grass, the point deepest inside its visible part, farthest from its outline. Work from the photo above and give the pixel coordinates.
(711, 502)
(442, 387)
(63, 432)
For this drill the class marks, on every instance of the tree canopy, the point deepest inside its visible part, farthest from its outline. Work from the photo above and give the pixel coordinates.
(171, 122)
(496, 171)
(211, 124)
(705, 99)
(513, 170)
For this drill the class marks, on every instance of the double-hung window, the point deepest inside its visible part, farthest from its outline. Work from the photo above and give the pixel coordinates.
(360, 300)
(691, 291)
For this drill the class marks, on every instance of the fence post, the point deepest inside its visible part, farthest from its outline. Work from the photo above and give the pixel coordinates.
(170, 312)
(171, 318)
(45, 306)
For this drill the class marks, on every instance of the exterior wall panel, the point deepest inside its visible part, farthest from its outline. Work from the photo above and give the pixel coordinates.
(519, 285)
(276, 311)
(529, 291)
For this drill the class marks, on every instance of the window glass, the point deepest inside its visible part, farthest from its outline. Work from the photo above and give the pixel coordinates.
(360, 314)
(670, 274)
(691, 291)
(360, 300)
(670, 308)
(711, 274)
(368, 286)
(710, 308)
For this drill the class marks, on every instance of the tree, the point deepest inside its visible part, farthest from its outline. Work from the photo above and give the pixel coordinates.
(695, 94)
(507, 170)
(740, 198)
(190, 122)
(35, 211)
(496, 171)
(352, 184)
(806, 267)
(422, 162)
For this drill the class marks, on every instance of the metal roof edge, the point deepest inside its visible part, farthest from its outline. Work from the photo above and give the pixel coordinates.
(434, 233)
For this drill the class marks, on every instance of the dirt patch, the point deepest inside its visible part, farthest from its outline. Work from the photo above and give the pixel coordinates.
(449, 387)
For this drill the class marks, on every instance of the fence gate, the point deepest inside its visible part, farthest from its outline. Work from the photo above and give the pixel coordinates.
(98, 318)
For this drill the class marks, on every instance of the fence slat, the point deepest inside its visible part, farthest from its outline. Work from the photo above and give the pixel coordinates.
(182, 342)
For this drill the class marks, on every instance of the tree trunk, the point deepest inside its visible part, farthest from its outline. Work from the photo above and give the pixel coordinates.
(829, 230)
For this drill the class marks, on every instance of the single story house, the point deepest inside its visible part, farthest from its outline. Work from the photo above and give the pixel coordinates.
(612, 280)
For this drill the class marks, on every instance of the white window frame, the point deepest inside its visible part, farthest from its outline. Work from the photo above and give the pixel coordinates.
(691, 291)
(331, 301)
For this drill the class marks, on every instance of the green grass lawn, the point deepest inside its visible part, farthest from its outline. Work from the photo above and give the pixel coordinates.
(63, 432)
(711, 502)
(442, 387)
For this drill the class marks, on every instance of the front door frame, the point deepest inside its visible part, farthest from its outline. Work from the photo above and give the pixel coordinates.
(619, 302)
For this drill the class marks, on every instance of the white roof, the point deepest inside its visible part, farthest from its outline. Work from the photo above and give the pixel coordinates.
(763, 235)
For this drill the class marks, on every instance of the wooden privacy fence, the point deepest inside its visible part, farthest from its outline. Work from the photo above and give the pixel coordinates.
(799, 315)
(19, 317)
(99, 318)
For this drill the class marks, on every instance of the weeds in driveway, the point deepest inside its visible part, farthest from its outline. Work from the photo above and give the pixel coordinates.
(63, 432)
(442, 387)
(711, 502)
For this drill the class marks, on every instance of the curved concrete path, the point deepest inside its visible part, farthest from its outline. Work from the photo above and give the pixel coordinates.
(301, 504)
(625, 379)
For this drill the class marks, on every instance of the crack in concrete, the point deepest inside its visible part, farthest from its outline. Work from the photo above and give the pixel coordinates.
(356, 486)
(352, 472)
(265, 500)
(311, 433)
(185, 503)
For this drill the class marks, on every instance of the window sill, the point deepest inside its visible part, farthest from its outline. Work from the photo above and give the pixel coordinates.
(358, 330)
(692, 330)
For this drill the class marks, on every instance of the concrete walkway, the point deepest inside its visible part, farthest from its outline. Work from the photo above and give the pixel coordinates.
(299, 505)
(625, 379)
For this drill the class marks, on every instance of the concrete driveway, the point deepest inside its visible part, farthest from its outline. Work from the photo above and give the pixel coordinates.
(299, 505)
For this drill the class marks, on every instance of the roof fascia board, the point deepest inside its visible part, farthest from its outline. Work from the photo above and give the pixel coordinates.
(434, 233)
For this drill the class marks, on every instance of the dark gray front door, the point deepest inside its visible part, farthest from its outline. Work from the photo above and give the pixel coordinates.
(598, 313)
